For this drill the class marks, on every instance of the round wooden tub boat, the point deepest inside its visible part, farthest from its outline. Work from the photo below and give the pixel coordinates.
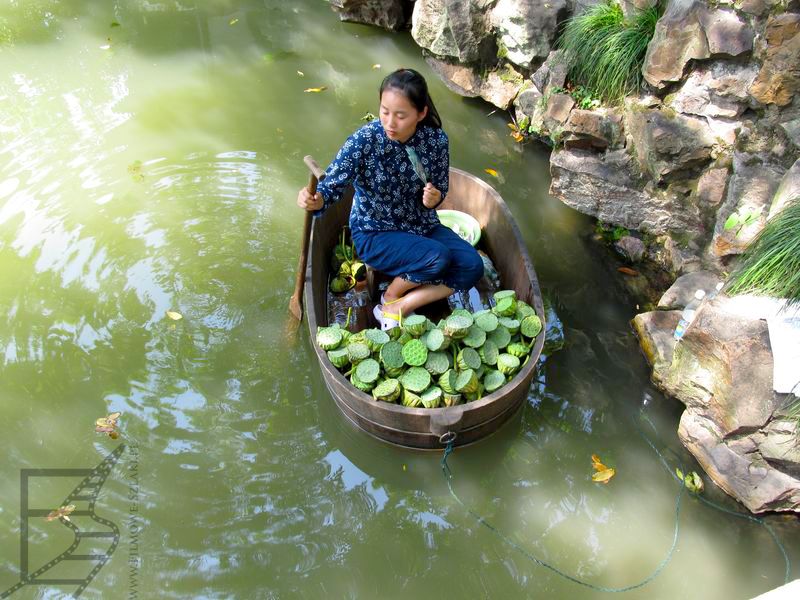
(430, 428)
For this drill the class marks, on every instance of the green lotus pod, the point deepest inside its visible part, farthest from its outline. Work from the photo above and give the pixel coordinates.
(476, 395)
(463, 312)
(415, 353)
(387, 390)
(447, 381)
(457, 326)
(511, 324)
(436, 340)
(405, 337)
(488, 353)
(410, 399)
(437, 363)
(523, 310)
(342, 283)
(429, 325)
(451, 399)
(493, 380)
(518, 349)
(505, 307)
(395, 372)
(480, 371)
(357, 351)
(339, 358)
(391, 355)
(375, 339)
(508, 364)
(361, 385)
(531, 326)
(466, 382)
(368, 370)
(468, 358)
(415, 379)
(329, 338)
(500, 294)
(358, 270)
(415, 325)
(500, 336)
(346, 335)
(486, 320)
(475, 337)
(358, 338)
(432, 397)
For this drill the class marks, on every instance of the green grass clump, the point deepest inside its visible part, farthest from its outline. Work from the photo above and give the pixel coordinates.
(770, 265)
(605, 52)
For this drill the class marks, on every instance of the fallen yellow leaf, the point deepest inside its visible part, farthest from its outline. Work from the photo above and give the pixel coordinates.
(376, 66)
(597, 464)
(518, 137)
(603, 476)
(175, 316)
(491, 172)
(233, 21)
(316, 89)
(512, 126)
(301, 74)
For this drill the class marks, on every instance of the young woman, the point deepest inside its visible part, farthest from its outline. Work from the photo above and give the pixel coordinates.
(399, 169)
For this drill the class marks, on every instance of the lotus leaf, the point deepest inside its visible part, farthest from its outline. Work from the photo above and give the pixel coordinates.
(507, 363)
(466, 382)
(501, 337)
(410, 399)
(531, 326)
(329, 338)
(511, 324)
(437, 363)
(415, 379)
(376, 339)
(339, 358)
(518, 349)
(436, 340)
(489, 353)
(468, 358)
(451, 399)
(387, 390)
(432, 397)
(415, 353)
(475, 337)
(415, 325)
(493, 380)
(447, 381)
(361, 385)
(486, 320)
(357, 351)
(368, 370)
(457, 326)
(391, 355)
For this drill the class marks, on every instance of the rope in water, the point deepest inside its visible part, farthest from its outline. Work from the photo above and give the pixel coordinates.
(448, 475)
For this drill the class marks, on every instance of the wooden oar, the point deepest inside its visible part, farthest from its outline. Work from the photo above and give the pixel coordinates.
(296, 301)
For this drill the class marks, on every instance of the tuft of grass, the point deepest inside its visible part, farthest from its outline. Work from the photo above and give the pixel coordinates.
(605, 52)
(770, 264)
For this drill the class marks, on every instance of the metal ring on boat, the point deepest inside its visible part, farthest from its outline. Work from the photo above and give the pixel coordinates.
(448, 437)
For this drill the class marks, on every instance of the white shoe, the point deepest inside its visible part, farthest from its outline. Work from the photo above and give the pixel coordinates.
(386, 320)
(383, 303)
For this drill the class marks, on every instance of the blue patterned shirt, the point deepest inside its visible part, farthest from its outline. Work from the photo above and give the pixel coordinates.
(388, 191)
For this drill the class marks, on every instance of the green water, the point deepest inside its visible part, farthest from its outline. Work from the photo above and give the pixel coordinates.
(157, 170)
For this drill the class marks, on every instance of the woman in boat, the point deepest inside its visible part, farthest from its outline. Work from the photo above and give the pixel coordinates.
(399, 166)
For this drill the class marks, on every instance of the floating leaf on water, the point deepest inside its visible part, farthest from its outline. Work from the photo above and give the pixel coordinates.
(301, 74)
(628, 271)
(115, 24)
(376, 66)
(135, 169)
(109, 421)
(492, 172)
(603, 476)
(233, 21)
(175, 316)
(62, 512)
(316, 89)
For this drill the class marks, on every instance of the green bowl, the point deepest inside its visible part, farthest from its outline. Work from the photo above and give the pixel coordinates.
(466, 226)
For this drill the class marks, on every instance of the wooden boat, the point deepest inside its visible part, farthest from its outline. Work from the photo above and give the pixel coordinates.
(428, 428)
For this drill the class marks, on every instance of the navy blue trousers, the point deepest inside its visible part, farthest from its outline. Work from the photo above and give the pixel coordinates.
(438, 257)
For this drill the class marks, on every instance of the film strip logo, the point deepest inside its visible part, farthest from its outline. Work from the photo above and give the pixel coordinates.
(105, 533)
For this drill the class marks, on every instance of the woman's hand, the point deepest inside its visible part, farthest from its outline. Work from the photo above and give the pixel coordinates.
(430, 195)
(308, 202)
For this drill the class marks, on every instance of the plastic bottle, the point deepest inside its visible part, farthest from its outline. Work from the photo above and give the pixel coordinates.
(713, 293)
(687, 316)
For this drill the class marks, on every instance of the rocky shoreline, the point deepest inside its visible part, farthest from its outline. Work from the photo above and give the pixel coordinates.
(715, 132)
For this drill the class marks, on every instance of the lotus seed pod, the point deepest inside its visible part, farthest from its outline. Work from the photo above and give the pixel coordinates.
(531, 326)
(462, 312)
(339, 358)
(387, 390)
(511, 324)
(499, 295)
(466, 382)
(518, 349)
(405, 337)
(357, 338)
(447, 381)
(437, 363)
(500, 337)
(357, 352)
(415, 353)
(415, 325)
(475, 337)
(375, 339)
(429, 325)
(329, 338)
(410, 399)
(341, 284)
(391, 355)
(486, 320)
(493, 380)
(451, 399)
(415, 379)
(476, 395)
(396, 372)
(432, 397)
(436, 340)
(523, 310)
(508, 364)
(358, 270)
(489, 353)
(457, 326)
(468, 358)
(346, 335)
(368, 370)
(505, 307)
(480, 371)
(364, 387)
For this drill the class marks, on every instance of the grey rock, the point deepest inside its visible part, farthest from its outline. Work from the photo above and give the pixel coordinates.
(726, 32)
(527, 28)
(552, 73)
(389, 14)
(454, 28)
(682, 291)
(558, 109)
(792, 130)
(601, 128)
(632, 248)
(606, 186)
(777, 443)
(655, 330)
(719, 90)
(711, 188)
(788, 189)
(465, 82)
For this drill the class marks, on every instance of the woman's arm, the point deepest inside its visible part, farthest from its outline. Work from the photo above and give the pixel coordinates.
(342, 171)
(439, 171)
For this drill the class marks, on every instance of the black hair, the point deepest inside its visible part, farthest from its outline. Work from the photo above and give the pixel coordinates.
(414, 87)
